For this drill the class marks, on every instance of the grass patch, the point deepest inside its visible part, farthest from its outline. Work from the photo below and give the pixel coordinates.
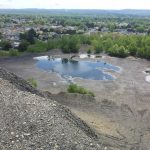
(4, 53)
(39, 46)
(11, 52)
(32, 82)
(73, 88)
(14, 52)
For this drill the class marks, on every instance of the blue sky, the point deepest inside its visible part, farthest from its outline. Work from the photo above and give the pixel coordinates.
(76, 4)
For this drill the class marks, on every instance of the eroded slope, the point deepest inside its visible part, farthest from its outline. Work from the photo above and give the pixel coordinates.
(29, 121)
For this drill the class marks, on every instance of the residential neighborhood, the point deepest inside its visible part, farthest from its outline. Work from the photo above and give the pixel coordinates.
(11, 26)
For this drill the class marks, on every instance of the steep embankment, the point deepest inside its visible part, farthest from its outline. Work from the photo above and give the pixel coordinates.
(30, 120)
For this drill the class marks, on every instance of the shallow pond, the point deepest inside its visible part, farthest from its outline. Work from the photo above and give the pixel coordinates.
(94, 70)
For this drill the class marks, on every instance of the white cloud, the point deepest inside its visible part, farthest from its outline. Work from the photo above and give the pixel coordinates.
(69, 4)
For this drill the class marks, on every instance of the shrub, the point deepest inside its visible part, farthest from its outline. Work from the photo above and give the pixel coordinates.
(70, 44)
(118, 51)
(13, 52)
(89, 51)
(23, 46)
(39, 46)
(4, 53)
(73, 88)
(6, 45)
(97, 51)
(53, 43)
(32, 82)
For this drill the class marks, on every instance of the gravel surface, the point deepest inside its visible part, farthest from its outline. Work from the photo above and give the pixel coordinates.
(29, 121)
(120, 112)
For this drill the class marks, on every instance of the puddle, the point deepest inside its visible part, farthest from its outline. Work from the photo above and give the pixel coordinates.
(69, 69)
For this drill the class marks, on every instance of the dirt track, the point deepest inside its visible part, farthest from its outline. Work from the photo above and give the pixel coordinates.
(120, 112)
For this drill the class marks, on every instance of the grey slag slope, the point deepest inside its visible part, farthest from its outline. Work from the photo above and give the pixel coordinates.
(30, 121)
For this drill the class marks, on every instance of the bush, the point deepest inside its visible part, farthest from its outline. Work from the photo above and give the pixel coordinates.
(6, 45)
(39, 46)
(4, 53)
(73, 88)
(118, 51)
(89, 51)
(12, 52)
(32, 82)
(53, 43)
(23, 46)
(97, 51)
(70, 44)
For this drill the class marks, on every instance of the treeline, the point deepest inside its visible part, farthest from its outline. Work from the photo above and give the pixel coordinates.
(122, 45)
(114, 44)
(113, 22)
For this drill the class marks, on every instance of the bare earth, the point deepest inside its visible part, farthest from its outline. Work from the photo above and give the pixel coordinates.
(30, 120)
(120, 113)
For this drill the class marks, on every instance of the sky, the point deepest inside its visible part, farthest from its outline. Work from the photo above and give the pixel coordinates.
(76, 4)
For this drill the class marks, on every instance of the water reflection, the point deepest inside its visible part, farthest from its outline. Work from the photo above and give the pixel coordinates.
(83, 69)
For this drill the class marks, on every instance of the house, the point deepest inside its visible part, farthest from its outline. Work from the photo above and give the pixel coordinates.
(15, 44)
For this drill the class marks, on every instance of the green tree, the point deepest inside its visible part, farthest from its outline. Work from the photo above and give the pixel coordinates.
(140, 29)
(31, 36)
(119, 51)
(122, 52)
(141, 52)
(23, 36)
(6, 45)
(148, 31)
(97, 46)
(148, 52)
(70, 44)
(23, 46)
(1, 35)
(132, 49)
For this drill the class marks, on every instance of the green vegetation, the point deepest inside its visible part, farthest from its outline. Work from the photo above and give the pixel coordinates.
(73, 88)
(32, 82)
(29, 36)
(23, 46)
(70, 44)
(89, 51)
(11, 52)
(4, 53)
(114, 44)
(5, 45)
(53, 43)
(39, 46)
(118, 51)
(115, 35)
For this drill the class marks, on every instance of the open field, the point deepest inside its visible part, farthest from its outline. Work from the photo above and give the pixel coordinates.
(120, 112)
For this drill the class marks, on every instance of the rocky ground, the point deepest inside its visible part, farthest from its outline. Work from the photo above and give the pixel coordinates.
(30, 120)
(120, 112)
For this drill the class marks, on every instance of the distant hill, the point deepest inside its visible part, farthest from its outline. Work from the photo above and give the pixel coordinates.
(77, 11)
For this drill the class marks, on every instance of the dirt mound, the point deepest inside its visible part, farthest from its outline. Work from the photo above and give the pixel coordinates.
(30, 121)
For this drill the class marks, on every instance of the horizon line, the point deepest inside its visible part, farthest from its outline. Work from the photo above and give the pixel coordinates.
(73, 9)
